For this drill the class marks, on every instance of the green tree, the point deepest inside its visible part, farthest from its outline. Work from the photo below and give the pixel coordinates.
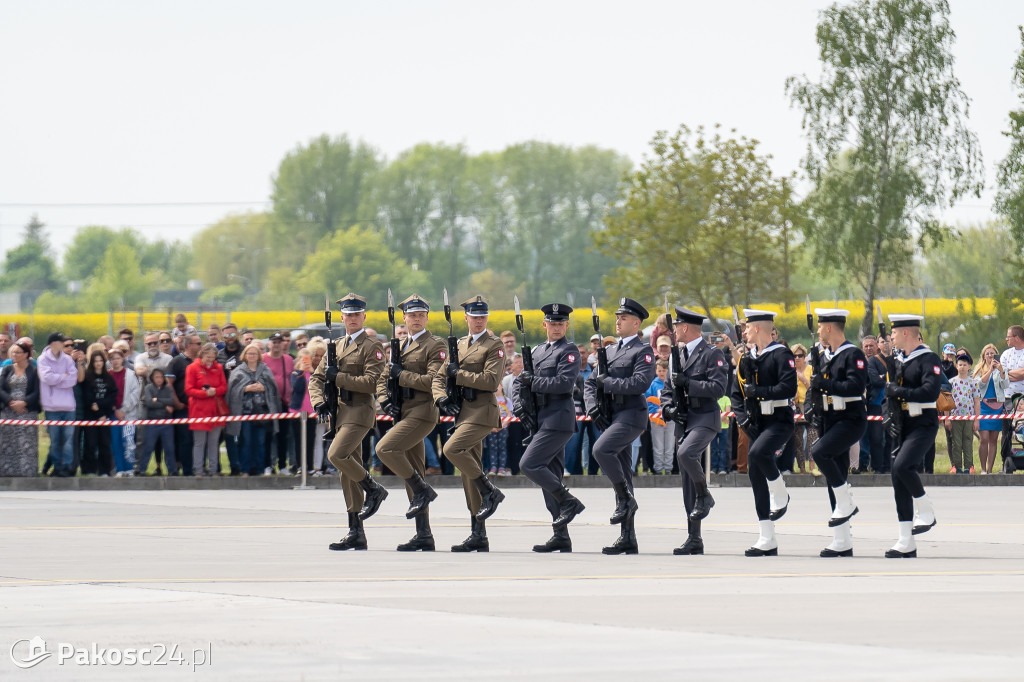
(318, 188)
(1010, 176)
(357, 260)
(119, 281)
(29, 265)
(237, 250)
(702, 220)
(543, 205)
(888, 141)
(972, 263)
(425, 202)
(88, 248)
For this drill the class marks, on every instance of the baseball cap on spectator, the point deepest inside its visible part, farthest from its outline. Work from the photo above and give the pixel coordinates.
(595, 337)
(276, 336)
(663, 340)
(948, 348)
(55, 336)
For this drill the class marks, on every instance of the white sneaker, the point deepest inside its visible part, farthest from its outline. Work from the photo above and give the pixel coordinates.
(286, 471)
(268, 472)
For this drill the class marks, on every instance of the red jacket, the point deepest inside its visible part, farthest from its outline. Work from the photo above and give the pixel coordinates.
(200, 404)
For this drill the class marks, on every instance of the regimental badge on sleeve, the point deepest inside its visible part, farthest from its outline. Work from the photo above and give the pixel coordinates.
(860, 364)
(721, 362)
(572, 358)
(935, 368)
(648, 359)
(501, 353)
(792, 363)
(380, 356)
(443, 355)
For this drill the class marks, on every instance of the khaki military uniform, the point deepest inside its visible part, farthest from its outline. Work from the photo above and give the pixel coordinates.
(481, 367)
(360, 364)
(401, 448)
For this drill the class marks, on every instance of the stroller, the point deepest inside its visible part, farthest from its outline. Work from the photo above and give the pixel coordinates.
(1016, 459)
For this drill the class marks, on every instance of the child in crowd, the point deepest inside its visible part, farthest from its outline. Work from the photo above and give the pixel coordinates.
(158, 403)
(967, 398)
(720, 443)
(496, 442)
(662, 434)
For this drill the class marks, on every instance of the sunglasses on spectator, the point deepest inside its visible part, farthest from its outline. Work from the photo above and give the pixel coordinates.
(799, 355)
(150, 343)
(69, 344)
(165, 340)
(230, 336)
(300, 344)
(195, 343)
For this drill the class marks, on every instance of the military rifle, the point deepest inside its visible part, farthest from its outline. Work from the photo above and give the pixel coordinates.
(394, 390)
(814, 409)
(604, 400)
(527, 398)
(451, 389)
(330, 388)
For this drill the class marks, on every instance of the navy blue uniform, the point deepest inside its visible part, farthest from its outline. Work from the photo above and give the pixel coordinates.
(555, 367)
(767, 384)
(842, 382)
(630, 373)
(917, 384)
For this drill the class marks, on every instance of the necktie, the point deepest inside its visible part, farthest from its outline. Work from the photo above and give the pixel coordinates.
(348, 340)
(686, 353)
(405, 344)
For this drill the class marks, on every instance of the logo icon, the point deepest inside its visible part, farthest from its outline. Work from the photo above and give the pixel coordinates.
(554, 308)
(37, 653)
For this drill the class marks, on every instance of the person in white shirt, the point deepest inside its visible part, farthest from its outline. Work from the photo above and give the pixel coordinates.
(1012, 361)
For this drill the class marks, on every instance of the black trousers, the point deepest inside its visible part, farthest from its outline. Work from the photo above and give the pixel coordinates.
(875, 433)
(182, 444)
(97, 456)
(761, 466)
(1006, 441)
(834, 445)
(906, 469)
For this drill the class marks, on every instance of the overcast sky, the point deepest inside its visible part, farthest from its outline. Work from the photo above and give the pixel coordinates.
(108, 103)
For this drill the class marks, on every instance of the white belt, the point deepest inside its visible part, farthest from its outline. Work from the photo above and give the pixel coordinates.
(915, 409)
(768, 406)
(838, 402)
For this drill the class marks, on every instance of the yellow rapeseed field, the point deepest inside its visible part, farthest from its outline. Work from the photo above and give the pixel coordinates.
(940, 314)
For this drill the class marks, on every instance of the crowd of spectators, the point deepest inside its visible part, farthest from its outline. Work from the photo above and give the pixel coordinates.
(179, 374)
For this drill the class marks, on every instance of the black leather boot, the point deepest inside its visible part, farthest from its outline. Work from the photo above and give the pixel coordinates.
(626, 544)
(694, 543)
(568, 508)
(355, 538)
(702, 505)
(375, 496)
(422, 495)
(423, 541)
(559, 542)
(491, 498)
(625, 503)
(477, 540)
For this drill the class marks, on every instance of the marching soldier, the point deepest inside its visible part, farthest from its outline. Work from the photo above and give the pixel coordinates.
(841, 383)
(912, 393)
(630, 373)
(360, 363)
(762, 400)
(478, 373)
(690, 399)
(401, 448)
(555, 367)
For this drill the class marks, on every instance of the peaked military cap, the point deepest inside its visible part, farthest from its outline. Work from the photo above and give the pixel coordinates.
(476, 306)
(831, 314)
(628, 306)
(687, 316)
(556, 312)
(901, 320)
(754, 315)
(414, 304)
(351, 303)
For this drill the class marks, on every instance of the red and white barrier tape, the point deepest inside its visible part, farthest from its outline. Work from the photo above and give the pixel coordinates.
(382, 418)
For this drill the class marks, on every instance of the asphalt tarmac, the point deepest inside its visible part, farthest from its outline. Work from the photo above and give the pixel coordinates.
(246, 577)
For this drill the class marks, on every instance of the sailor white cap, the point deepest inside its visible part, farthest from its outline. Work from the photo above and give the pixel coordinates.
(754, 315)
(901, 320)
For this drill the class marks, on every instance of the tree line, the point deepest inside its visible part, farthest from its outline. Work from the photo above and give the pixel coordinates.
(701, 220)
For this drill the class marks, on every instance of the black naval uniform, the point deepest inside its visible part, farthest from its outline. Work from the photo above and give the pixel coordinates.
(843, 376)
(773, 378)
(702, 380)
(918, 380)
(630, 373)
(555, 368)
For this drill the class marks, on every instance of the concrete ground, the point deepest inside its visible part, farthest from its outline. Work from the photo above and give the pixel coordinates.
(246, 575)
